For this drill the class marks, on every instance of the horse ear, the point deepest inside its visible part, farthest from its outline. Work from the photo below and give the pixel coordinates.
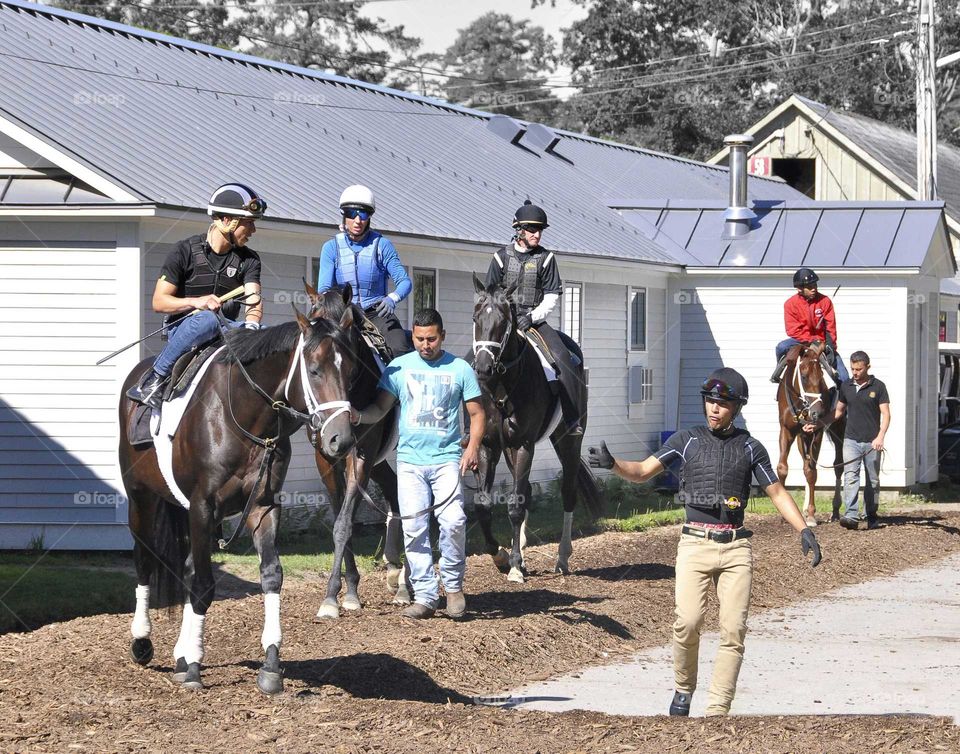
(478, 285)
(312, 294)
(301, 320)
(347, 294)
(346, 319)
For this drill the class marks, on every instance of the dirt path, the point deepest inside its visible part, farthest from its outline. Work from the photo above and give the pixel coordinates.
(376, 682)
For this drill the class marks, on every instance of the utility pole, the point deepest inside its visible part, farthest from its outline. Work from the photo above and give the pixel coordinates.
(926, 69)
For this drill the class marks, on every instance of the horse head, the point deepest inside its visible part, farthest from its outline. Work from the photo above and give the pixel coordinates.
(810, 385)
(323, 368)
(494, 320)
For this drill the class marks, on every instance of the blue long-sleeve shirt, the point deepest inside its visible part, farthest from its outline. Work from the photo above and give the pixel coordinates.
(366, 265)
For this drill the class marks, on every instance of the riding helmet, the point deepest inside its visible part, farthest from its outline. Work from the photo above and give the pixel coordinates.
(804, 276)
(359, 197)
(726, 384)
(236, 200)
(530, 214)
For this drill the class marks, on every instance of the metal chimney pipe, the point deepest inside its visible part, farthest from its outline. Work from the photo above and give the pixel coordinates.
(738, 217)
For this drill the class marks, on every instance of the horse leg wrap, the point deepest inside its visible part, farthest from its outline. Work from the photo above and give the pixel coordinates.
(394, 542)
(140, 627)
(271, 621)
(190, 644)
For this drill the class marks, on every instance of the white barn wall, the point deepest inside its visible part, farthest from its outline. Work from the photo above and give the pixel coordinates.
(727, 324)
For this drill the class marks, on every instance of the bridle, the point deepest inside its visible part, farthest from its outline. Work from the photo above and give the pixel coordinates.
(480, 346)
(808, 398)
(315, 409)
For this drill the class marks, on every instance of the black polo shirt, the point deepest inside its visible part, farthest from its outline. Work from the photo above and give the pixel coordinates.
(863, 408)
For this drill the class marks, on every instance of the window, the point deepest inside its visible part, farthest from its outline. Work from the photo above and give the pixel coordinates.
(641, 384)
(572, 313)
(424, 290)
(638, 319)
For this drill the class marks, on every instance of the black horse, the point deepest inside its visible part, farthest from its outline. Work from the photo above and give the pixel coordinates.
(230, 455)
(521, 409)
(346, 477)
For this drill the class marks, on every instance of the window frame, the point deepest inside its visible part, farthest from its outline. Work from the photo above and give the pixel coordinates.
(646, 311)
(565, 310)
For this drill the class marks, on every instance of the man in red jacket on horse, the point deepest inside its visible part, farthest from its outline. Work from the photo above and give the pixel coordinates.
(809, 316)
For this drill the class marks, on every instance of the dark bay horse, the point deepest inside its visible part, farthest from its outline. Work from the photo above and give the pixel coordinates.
(804, 398)
(230, 454)
(346, 477)
(520, 409)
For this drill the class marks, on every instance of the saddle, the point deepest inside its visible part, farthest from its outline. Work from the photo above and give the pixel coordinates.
(371, 335)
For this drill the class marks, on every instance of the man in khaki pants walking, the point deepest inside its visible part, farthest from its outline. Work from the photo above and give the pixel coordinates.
(719, 461)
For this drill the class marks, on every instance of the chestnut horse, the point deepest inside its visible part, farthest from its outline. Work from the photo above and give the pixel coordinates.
(804, 397)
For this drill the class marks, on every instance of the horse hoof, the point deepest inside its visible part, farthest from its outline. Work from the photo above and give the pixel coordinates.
(811, 521)
(141, 650)
(515, 575)
(402, 597)
(180, 671)
(350, 603)
(562, 568)
(502, 560)
(328, 610)
(393, 577)
(193, 681)
(269, 682)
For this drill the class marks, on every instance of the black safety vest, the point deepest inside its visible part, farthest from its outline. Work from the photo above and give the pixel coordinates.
(716, 475)
(524, 270)
(204, 279)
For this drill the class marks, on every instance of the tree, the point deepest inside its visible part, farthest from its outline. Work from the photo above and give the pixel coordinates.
(501, 64)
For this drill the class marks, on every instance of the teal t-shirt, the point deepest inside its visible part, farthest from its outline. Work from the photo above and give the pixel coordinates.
(430, 395)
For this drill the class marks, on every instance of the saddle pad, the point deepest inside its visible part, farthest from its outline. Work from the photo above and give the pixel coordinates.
(164, 426)
(187, 367)
(548, 369)
(138, 428)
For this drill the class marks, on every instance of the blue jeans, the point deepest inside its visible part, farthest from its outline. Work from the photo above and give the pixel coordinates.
(852, 450)
(785, 345)
(419, 487)
(189, 332)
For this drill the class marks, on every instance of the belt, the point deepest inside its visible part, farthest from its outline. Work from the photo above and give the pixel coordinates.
(722, 536)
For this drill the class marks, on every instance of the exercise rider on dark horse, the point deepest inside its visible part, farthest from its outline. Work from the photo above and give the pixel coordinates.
(533, 273)
(196, 273)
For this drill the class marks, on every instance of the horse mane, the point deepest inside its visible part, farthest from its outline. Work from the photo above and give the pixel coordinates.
(254, 345)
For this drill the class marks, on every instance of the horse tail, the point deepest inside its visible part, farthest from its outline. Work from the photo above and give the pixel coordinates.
(170, 547)
(590, 490)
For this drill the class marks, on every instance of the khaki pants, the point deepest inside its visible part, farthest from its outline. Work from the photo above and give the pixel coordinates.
(729, 567)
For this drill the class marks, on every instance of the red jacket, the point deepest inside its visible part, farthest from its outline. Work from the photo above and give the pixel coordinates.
(807, 321)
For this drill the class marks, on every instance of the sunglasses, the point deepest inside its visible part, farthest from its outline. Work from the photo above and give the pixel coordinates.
(720, 390)
(352, 213)
(530, 228)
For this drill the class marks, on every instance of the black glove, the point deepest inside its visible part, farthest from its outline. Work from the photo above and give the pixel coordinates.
(809, 542)
(524, 322)
(600, 458)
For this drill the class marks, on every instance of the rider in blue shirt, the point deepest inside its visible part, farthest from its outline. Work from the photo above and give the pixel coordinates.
(364, 258)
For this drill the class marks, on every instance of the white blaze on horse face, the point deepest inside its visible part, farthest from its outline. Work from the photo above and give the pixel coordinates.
(338, 362)
(489, 309)
(271, 622)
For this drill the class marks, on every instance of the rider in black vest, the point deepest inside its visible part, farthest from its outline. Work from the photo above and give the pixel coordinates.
(196, 274)
(718, 463)
(533, 270)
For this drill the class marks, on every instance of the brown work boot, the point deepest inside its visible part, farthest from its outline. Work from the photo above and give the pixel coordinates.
(456, 604)
(418, 611)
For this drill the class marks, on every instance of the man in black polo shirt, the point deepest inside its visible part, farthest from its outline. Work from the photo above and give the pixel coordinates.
(867, 404)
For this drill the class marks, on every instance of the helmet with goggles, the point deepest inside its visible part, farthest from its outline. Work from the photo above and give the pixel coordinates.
(358, 197)
(236, 200)
(530, 214)
(726, 384)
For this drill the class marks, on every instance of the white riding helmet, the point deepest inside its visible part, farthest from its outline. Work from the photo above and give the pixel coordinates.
(358, 196)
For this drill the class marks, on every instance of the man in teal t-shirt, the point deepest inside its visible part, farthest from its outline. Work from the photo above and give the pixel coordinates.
(431, 385)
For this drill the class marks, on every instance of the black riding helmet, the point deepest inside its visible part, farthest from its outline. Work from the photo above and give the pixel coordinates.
(530, 214)
(726, 384)
(804, 276)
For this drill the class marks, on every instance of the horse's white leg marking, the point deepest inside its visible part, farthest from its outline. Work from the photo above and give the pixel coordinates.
(523, 532)
(190, 644)
(271, 621)
(140, 627)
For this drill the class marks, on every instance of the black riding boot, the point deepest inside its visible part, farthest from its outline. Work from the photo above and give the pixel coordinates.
(778, 372)
(149, 391)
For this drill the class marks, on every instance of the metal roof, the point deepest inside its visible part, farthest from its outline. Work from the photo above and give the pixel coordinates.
(896, 150)
(168, 119)
(790, 235)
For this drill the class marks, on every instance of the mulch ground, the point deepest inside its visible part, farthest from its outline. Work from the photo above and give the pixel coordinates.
(374, 681)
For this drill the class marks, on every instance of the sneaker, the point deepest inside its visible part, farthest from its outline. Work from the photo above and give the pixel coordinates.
(849, 523)
(418, 611)
(456, 604)
(680, 706)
